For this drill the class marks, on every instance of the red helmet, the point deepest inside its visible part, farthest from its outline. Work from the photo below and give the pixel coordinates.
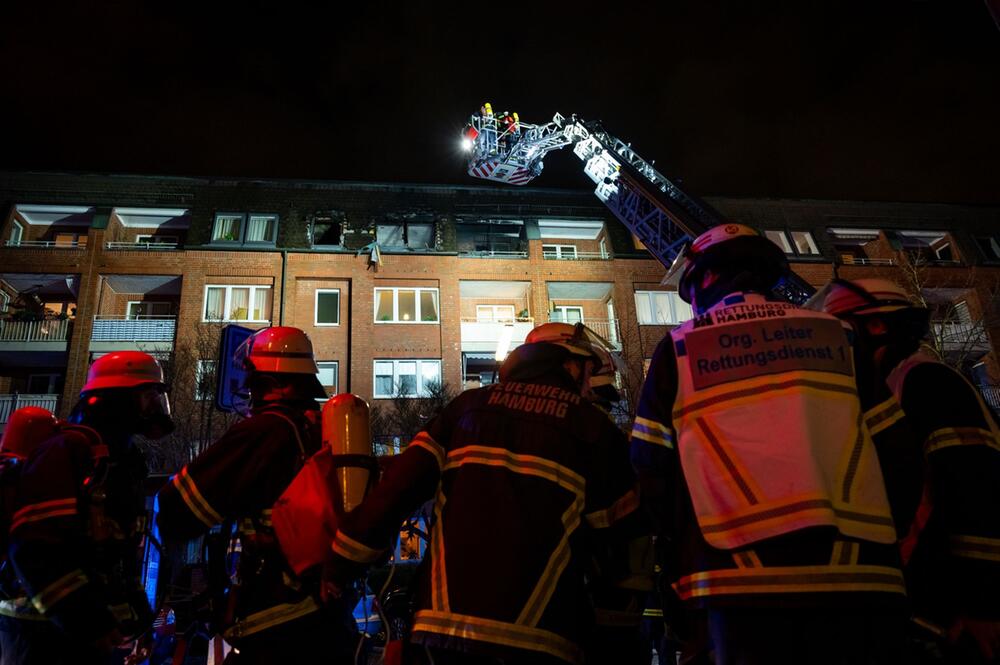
(279, 350)
(123, 369)
(26, 428)
(576, 338)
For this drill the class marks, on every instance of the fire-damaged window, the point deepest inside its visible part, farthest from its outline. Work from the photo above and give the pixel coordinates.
(327, 229)
(416, 233)
(928, 246)
(492, 236)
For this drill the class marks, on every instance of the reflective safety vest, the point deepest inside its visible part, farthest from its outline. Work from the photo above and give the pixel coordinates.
(770, 432)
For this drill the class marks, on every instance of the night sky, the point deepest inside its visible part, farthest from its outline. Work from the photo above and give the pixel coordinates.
(847, 100)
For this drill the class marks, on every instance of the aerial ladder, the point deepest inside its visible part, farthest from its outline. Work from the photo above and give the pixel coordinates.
(658, 212)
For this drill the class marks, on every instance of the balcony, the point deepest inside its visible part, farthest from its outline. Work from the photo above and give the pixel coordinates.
(80, 243)
(849, 260)
(142, 246)
(140, 333)
(47, 335)
(11, 403)
(483, 336)
(606, 328)
(493, 254)
(956, 336)
(575, 255)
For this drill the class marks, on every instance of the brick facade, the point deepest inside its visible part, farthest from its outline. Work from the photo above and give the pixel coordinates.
(294, 269)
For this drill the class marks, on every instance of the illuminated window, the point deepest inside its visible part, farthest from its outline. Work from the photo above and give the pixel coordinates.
(228, 228)
(795, 243)
(406, 378)
(659, 308)
(250, 229)
(559, 251)
(250, 304)
(401, 305)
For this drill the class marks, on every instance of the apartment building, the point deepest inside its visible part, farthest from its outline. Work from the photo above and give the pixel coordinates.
(404, 286)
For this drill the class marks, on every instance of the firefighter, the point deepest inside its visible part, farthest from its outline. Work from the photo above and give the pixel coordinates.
(79, 519)
(529, 481)
(753, 462)
(271, 615)
(952, 548)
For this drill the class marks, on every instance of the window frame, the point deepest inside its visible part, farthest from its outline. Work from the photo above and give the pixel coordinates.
(559, 248)
(163, 240)
(4, 301)
(246, 229)
(493, 318)
(336, 373)
(316, 321)
(326, 220)
(15, 225)
(128, 306)
(405, 235)
(673, 298)
(417, 316)
(243, 226)
(227, 300)
(395, 374)
(992, 240)
(556, 308)
(789, 246)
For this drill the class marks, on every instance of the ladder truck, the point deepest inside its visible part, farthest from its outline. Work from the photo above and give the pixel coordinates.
(658, 212)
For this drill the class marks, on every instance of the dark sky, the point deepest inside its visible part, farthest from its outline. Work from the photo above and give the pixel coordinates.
(866, 100)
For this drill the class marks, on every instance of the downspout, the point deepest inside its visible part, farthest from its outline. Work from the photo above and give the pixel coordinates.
(284, 272)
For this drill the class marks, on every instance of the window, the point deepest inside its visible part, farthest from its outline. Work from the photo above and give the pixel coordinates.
(412, 235)
(328, 375)
(492, 236)
(327, 307)
(559, 251)
(603, 244)
(204, 380)
(16, 233)
(801, 243)
(228, 228)
(490, 313)
(156, 240)
(326, 231)
(4, 301)
(989, 247)
(658, 308)
(406, 306)
(43, 384)
(406, 378)
(231, 227)
(262, 228)
(70, 239)
(148, 310)
(237, 303)
(567, 314)
(928, 246)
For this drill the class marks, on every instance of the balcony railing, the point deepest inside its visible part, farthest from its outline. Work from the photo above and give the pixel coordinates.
(991, 395)
(494, 254)
(155, 246)
(133, 329)
(56, 330)
(578, 256)
(487, 333)
(955, 334)
(57, 244)
(606, 328)
(849, 260)
(11, 403)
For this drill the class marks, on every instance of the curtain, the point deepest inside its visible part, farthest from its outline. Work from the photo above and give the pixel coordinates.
(260, 229)
(227, 228)
(213, 304)
(261, 305)
(239, 304)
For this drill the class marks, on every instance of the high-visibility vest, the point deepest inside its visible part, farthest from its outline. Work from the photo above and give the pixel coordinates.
(770, 430)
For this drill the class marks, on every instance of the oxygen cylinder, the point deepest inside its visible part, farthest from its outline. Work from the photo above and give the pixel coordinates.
(346, 431)
(27, 428)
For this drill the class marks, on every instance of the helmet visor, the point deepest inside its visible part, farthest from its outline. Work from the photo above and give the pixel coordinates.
(677, 268)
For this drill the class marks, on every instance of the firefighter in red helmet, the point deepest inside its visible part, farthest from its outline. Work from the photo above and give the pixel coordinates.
(753, 461)
(951, 543)
(274, 615)
(529, 481)
(79, 518)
